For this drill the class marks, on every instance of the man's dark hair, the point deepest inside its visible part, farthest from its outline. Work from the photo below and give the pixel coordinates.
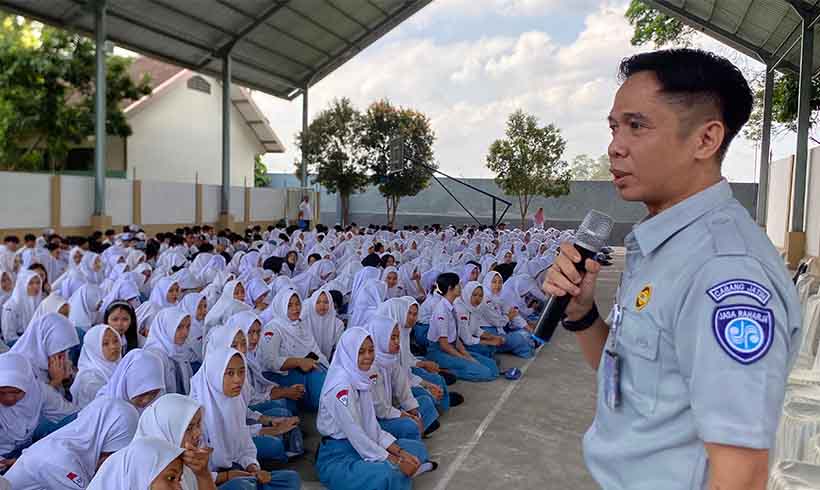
(29, 237)
(447, 281)
(110, 232)
(378, 248)
(12, 239)
(697, 79)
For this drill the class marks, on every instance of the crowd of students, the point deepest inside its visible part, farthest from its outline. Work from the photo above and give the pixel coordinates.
(188, 359)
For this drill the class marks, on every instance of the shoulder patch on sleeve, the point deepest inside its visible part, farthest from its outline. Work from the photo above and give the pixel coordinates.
(739, 287)
(744, 332)
(76, 479)
(342, 397)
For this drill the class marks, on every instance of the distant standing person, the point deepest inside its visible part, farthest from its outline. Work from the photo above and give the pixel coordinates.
(538, 219)
(305, 212)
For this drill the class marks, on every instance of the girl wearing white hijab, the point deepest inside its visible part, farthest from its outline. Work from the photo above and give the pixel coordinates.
(164, 295)
(89, 271)
(466, 308)
(362, 277)
(196, 305)
(20, 307)
(230, 302)
(169, 332)
(69, 458)
(145, 464)
(371, 296)
(6, 287)
(356, 452)
(139, 379)
(125, 289)
(396, 407)
(519, 291)
(410, 280)
(45, 344)
(177, 420)
(84, 306)
(319, 316)
(499, 319)
(27, 402)
(289, 353)
(390, 276)
(99, 357)
(257, 295)
(217, 387)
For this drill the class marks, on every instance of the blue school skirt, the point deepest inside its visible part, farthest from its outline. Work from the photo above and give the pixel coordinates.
(517, 342)
(444, 404)
(484, 369)
(341, 468)
(313, 382)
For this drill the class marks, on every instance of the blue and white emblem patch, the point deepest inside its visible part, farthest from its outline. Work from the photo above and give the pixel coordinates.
(739, 287)
(744, 332)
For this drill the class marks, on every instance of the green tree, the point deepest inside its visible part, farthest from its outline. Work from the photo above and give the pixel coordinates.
(47, 95)
(528, 161)
(658, 29)
(334, 153)
(260, 172)
(584, 167)
(383, 122)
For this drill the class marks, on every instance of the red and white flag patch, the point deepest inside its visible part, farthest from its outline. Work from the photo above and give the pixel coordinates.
(373, 378)
(464, 318)
(441, 318)
(76, 479)
(342, 397)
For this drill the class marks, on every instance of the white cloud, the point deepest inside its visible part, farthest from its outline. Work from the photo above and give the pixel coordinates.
(469, 86)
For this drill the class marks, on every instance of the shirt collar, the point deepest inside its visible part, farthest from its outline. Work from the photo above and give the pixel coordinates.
(447, 303)
(653, 232)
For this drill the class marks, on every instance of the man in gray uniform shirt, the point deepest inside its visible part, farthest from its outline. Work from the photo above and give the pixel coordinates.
(692, 361)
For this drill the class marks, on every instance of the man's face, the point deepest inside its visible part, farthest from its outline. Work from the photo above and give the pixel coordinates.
(12, 246)
(651, 154)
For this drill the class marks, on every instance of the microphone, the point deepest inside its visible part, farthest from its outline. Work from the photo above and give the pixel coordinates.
(590, 238)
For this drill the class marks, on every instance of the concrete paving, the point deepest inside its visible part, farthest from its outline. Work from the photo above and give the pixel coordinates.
(515, 435)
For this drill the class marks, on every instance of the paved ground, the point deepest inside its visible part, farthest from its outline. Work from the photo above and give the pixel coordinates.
(516, 435)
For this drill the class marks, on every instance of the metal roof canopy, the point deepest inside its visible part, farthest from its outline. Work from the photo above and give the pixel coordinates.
(277, 47)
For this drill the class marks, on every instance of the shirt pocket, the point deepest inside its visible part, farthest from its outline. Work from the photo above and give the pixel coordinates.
(641, 367)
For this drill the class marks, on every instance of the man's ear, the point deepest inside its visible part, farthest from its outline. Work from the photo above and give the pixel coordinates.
(709, 138)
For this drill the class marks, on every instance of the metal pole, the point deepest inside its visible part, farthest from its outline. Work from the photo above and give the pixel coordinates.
(765, 143)
(304, 136)
(226, 133)
(494, 213)
(803, 120)
(99, 109)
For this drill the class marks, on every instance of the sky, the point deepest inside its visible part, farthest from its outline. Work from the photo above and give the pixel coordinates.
(468, 64)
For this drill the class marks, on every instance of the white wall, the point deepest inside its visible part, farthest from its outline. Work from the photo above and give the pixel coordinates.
(76, 200)
(813, 205)
(26, 201)
(238, 203)
(779, 200)
(119, 201)
(165, 203)
(267, 204)
(181, 134)
(211, 200)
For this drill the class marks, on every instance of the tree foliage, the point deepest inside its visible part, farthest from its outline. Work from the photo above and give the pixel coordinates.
(654, 27)
(260, 173)
(334, 153)
(528, 161)
(584, 167)
(381, 123)
(47, 96)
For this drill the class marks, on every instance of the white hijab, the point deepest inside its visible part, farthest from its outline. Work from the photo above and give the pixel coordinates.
(19, 420)
(226, 306)
(297, 340)
(257, 381)
(369, 298)
(92, 357)
(397, 309)
(50, 334)
(326, 329)
(85, 306)
(104, 426)
(20, 302)
(161, 342)
(51, 304)
(223, 421)
(381, 328)
(196, 336)
(136, 466)
(137, 373)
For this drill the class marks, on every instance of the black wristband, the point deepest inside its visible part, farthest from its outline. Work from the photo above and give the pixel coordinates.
(584, 323)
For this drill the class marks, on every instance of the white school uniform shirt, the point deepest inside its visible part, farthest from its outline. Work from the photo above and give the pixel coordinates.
(443, 322)
(177, 368)
(346, 407)
(306, 210)
(94, 369)
(19, 308)
(468, 316)
(50, 334)
(72, 452)
(397, 309)
(283, 338)
(426, 308)
(18, 422)
(326, 329)
(392, 383)
(136, 466)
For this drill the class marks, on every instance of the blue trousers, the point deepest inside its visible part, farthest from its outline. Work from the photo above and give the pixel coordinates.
(280, 480)
(46, 427)
(420, 334)
(517, 342)
(484, 369)
(401, 428)
(74, 352)
(427, 406)
(274, 408)
(278, 448)
(481, 350)
(312, 381)
(444, 404)
(341, 468)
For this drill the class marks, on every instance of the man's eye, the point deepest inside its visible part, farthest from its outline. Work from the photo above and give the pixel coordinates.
(635, 125)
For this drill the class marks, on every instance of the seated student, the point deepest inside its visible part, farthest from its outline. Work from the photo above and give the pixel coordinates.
(498, 318)
(319, 316)
(466, 307)
(121, 316)
(166, 339)
(230, 302)
(367, 300)
(164, 295)
(145, 464)
(445, 347)
(139, 379)
(98, 359)
(390, 276)
(425, 376)
(25, 404)
(177, 420)
(289, 353)
(428, 280)
(217, 386)
(274, 430)
(69, 457)
(397, 409)
(257, 295)
(195, 305)
(20, 307)
(356, 452)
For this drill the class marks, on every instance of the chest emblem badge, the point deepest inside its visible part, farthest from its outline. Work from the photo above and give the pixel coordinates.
(642, 299)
